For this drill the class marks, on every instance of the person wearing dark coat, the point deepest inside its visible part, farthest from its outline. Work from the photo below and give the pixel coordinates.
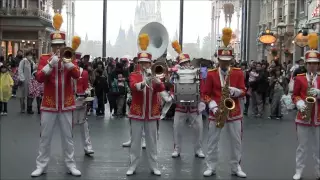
(101, 89)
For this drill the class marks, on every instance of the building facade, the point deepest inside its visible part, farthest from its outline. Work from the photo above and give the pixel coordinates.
(272, 13)
(25, 25)
(297, 15)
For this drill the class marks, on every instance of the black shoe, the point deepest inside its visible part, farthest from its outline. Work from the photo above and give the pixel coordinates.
(245, 113)
(30, 112)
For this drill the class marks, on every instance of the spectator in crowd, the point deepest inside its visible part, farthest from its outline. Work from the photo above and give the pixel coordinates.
(6, 84)
(25, 70)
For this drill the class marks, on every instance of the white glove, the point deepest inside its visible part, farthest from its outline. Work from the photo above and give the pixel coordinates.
(301, 105)
(140, 86)
(166, 96)
(314, 92)
(54, 60)
(87, 92)
(157, 80)
(68, 65)
(213, 107)
(235, 92)
(201, 107)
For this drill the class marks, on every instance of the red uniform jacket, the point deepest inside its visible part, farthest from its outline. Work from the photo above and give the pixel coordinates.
(189, 109)
(300, 93)
(145, 105)
(58, 94)
(213, 87)
(82, 83)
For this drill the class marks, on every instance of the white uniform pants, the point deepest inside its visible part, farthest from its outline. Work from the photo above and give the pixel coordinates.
(48, 121)
(306, 133)
(234, 131)
(150, 129)
(143, 133)
(197, 124)
(79, 118)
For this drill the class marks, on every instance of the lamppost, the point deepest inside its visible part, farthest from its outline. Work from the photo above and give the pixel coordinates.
(219, 41)
(181, 23)
(104, 29)
(281, 29)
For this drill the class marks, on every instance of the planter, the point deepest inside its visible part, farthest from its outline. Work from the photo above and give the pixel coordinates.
(274, 52)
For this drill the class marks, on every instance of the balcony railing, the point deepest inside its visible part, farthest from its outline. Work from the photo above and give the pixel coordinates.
(16, 12)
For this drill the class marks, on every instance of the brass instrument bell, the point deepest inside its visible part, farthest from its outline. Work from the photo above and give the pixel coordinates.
(159, 69)
(67, 54)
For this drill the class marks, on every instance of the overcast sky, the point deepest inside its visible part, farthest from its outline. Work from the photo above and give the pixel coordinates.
(197, 18)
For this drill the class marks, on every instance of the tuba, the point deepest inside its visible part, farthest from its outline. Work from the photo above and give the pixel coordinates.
(159, 39)
(310, 101)
(226, 104)
(67, 54)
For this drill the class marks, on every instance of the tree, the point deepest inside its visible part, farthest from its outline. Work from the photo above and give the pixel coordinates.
(206, 47)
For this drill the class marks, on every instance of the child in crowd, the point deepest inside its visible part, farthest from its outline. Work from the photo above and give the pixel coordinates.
(36, 90)
(120, 88)
(6, 84)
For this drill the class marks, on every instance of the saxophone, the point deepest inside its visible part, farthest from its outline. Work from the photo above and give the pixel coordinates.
(310, 101)
(226, 104)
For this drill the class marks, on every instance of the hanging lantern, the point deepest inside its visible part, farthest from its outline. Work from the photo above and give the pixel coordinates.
(267, 37)
(301, 40)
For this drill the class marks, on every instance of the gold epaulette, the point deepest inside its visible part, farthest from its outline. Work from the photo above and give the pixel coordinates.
(214, 69)
(235, 68)
(45, 54)
(302, 74)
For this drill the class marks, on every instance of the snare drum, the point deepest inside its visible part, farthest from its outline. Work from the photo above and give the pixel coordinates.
(187, 87)
(79, 114)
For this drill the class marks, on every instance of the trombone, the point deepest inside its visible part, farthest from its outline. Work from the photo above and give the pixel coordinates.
(158, 70)
(67, 54)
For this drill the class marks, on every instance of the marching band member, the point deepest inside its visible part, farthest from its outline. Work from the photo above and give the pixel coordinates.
(219, 80)
(145, 109)
(143, 140)
(58, 102)
(308, 117)
(182, 113)
(82, 91)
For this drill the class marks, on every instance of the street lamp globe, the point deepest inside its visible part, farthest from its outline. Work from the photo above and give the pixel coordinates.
(281, 28)
(267, 37)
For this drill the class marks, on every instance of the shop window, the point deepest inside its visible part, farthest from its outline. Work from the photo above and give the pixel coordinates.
(302, 6)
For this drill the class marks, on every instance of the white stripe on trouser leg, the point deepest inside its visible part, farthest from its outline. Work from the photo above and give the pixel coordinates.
(234, 131)
(48, 121)
(316, 148)
(143, 138)
(213, 143)
(150, 129)
(85, 135)
(65, 123)
(178, 122)
(79, 117)
(197, 125)
(301, 152)
(135, 148)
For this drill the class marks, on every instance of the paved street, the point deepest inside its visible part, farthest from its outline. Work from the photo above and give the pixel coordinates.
(268, 150)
